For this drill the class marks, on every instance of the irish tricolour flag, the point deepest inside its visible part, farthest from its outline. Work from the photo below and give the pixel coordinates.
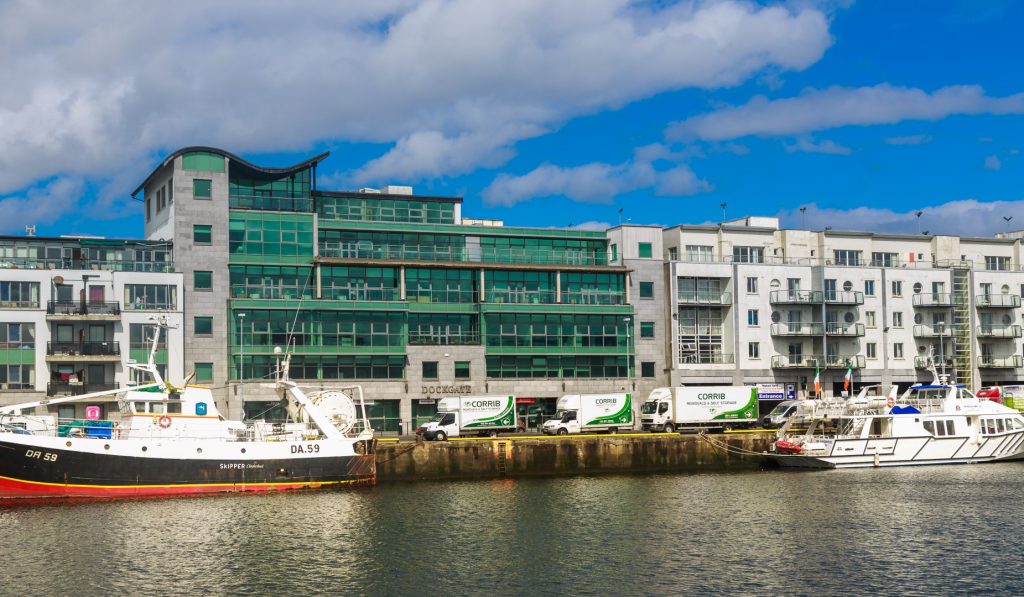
(849, 376)
(817, 380)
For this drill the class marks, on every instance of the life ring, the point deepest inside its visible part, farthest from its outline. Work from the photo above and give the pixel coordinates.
(891, 402)
(165, 422)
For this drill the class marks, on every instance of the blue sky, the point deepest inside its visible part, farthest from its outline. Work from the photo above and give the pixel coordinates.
(534, 112)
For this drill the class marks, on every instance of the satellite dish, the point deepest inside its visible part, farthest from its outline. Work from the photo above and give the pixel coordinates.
(58, 280)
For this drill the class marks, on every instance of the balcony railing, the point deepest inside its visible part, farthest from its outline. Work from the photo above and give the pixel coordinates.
(795, 297)
(86, 264)
(782, 361)
(64, 388)
(992, 362)
(80, 308)
(447, 339)
(593, 297)
(797, 329)
(701, 358)
(933, 331)
(999, 331)
(352, 293)
(704, 298)
(933, 300)
(512, 295)
(83, 348)
(441, 296)
(24, 304)
(844, 329)
(922, 362)
(147, 306)
(853, 297)
(265, 203)
(460, 253)
(997, 301)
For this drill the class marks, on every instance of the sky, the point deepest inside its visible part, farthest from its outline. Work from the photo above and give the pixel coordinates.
(850, 114)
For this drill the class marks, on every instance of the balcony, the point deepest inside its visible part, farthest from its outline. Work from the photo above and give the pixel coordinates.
(593, 297)
(933, 331)
(531, 255)
(999, 331)
(997, 301)
(922, 362)
(713, 358)
(72, 349)
(521, 296)
(797, 329)
(844, 329)
(991, 362)
(445, 339)
(704, 298)
(72, 309)
(854, 297)
(781, 361)
(796, 297)
(65, 388)
(933, 300)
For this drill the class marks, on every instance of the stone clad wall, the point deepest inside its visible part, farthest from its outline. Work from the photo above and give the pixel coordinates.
(479, 459)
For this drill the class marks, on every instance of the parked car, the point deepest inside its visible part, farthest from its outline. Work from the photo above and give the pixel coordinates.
(779, 415)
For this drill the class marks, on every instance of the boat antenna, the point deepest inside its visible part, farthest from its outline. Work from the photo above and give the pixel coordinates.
(298, 308)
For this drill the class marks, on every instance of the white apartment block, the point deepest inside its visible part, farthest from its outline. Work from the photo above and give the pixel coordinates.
(74, 312)
(748, 302)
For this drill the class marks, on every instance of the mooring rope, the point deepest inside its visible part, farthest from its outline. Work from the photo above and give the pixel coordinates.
(726, 447)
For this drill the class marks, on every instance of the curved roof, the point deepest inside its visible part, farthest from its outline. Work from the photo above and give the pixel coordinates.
(234, 158)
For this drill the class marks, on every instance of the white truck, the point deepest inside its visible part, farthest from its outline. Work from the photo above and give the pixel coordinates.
(724, 407)
(483, 415)
(577, 413)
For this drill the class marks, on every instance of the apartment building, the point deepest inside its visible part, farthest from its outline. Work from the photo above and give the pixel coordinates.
(74, 312)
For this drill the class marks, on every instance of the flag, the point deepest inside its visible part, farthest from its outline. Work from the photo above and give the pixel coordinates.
(849, 376)
(817, 380)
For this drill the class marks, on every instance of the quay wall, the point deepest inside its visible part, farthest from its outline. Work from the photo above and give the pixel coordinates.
(524, 457)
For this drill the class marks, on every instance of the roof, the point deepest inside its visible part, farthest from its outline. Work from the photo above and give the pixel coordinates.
(288, 170)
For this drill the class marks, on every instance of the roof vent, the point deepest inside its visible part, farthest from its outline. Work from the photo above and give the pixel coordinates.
(369, 191)
(397, 190)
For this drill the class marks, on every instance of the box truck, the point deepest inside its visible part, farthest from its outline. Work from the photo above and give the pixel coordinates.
(482, 415)
(724, 407)
(578, 413)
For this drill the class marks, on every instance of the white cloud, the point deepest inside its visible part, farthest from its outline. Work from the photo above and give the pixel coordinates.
(965, 217)
(993, 163)
(909, 140)
(807, 145)
(39, 206)
(816, 110)
(450, 85)
(592, 183)
(591, 225)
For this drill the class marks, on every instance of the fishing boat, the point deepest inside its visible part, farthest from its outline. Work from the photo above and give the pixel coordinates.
(172, 440)
(937, 423)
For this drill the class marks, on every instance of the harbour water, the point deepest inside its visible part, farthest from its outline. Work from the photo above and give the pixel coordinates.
(930, 530)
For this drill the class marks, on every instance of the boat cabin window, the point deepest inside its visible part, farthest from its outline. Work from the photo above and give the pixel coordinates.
(156, 408)
(174, 408)
(929, 426)
(1016, 423)
(881, 427)
(999, 426)
(941, 428)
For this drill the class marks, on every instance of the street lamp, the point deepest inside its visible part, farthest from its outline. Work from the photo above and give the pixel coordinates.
(241, 347)
(631, 357)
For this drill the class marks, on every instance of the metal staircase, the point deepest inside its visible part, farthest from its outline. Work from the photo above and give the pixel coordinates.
(963, 360)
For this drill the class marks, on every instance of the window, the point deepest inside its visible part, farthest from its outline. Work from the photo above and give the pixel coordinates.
(202, 234)
(751, 285)
(897, 350)
(869, 319)
(997, 263)
(646, 329)
(615, 252)
(754, 350)
(204, 325)
(897, 319)
(646, 290)
(20, 294)
(645, 251)
(885, 259)
(202, 188)
(699, 253)
(897, 288)
(869, 288)
(204, 372)
(429, 369)
(752, 317)
(647, 369)
(673, 253)
(872, 350)
(202, 160)
(748, 254)
(203, 280)
(153, 297)
(846, 257)
(462, 370)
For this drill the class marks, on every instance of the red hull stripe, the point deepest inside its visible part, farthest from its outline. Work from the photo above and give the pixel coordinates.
(17, 488)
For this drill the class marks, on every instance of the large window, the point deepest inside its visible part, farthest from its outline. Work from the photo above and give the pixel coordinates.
(748, 254)
(569, 251)
(997, 263)
(202, 161)
(153, 297)
(701, 336)
(266, 192)
(526, 330)
(699, 253)
(441, 285)
(593, 289)
(276, 282)
(286, 237)
(370, 209)
(520, 287)
(846, 257)
(359, 283)
(15, 295)
(355, 244)
(703, 291)
(326, 367)
(333, 330)
(17, 377)
(885, 259)
(555, 367)
(442, 329)
(18, 336)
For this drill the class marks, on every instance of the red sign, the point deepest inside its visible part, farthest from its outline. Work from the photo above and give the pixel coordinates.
(525, 400)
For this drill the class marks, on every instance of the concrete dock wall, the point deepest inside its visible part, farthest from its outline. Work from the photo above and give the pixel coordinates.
(516, 457)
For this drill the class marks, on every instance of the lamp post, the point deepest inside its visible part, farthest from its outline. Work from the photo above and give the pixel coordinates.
(241, 347)
(631, 357)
